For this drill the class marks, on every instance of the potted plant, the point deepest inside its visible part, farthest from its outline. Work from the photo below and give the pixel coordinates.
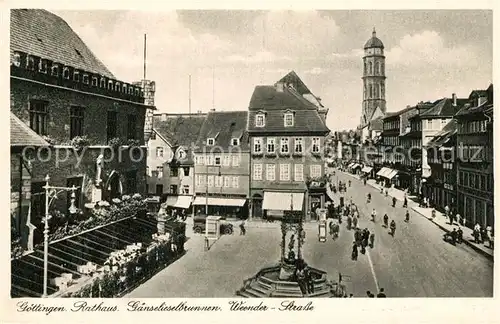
(80, 142)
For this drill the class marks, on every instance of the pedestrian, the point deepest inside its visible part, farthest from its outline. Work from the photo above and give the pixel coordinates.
(476, 233)
(301, 279)
(309, 280)
(372, 240)
(454, 236)
(354, 255)
(459, 219)
(369, 294)
(405, 202)
(381, 293)
(393, 201)
(447, 210)
(489, 234)
(355, 222)
(460, 236)
(407, 216)
(243, 230)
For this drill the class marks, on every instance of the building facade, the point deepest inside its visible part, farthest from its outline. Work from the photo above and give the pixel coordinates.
(287, 138)
(94, 122)
(475, 164)
(374, 104)
(222, 165)
(170, 157)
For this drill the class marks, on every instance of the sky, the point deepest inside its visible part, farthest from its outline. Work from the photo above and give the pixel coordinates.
(429, 54)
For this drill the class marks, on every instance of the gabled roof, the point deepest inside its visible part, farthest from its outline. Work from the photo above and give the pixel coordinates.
(376, 124)
(471, 107)
(444, 108)
(444, 135)
(22, 135)
(42, 33)
(179, 129)
(294, 79)
(226, 124)
(275, 103)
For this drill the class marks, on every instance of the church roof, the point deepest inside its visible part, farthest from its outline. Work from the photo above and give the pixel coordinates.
(374, 42)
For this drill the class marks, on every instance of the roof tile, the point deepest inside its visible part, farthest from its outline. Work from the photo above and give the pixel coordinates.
(226, 124)
(22, 135)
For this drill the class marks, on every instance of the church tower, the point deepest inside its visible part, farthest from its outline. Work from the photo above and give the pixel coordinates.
(373, 80)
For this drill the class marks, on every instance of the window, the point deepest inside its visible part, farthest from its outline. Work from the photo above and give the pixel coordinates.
(259, 120)
(284, 145)
(315, 145)
(210, 181)
(131, 127)
(117, 86)
(94, 81)
(174, 172)
(218, 181)
(153, 135)
(38, 116)
(236, 160)
(131, 182)
(227, 181)
(55, 70)
(110, 85)
(235, 141)
(210, 160)
(76, 76)
(66, 73)
(199, 180)
(201, 159)
(288, 120)
(210, 141)
(257, 171)
(270, 172)
(298, 145)
(315, 171)
(111, 125)
(271, 144)
(257, 145)
(236, 183)
(429, 124)
(85, 79)
(124, 88)
(299, 172)
(159, 190)
(186, 171)
(103, 83)
(217, 160)
(30, 63)
(285, 172)
(76, 122)
(159, 151)
(173, 189)
(227, 160)
(159, 171)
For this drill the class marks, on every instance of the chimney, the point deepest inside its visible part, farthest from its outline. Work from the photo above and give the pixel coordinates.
(164, 117)
(454, 97)
(213, 109)
(198, 112)
(279, 86)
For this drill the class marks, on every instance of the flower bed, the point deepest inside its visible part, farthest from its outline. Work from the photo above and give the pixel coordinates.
(127, 268)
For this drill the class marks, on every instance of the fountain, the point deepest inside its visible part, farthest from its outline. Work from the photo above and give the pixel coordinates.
(280, 280)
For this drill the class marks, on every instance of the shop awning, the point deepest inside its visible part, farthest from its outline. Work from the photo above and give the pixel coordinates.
(350, 165)
(237, 202)
(356, 165)
(391, 174)
(381, 171)
(282, 200)
(367, 169)
(179, 201)
(387, 172)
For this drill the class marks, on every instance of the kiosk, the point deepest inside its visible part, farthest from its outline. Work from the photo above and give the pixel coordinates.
(322, 224)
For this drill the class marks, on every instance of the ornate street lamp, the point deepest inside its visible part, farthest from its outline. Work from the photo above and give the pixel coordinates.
(52, 192)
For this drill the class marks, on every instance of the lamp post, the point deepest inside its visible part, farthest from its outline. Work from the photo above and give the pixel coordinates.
(54, 191)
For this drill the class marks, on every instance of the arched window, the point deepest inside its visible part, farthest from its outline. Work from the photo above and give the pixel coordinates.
(364, 71)
(382, 94)
(370, 68)
(382, 67)
(371, 91)
(377, 68)
(364, 92)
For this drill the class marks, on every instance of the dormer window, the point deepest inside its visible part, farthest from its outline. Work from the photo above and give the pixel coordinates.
(235, 141)
(288, 120)
(102, 83)
(30, 63)
(85, 79)
(130, 90)
(211, 141)
(55, 70)
(124, 88)
(42, 66)
(76, 76)
(117, 86)
(137, 92)
(94, 81)
(260, 120)
(66, 73)
(110, 85)
(16, 59)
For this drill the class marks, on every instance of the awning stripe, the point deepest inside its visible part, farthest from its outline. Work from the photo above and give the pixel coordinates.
(237, 202)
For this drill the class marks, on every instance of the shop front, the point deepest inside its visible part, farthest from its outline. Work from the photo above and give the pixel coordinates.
(178, 204)
(229, 207)
(367, 172)
(275, 203)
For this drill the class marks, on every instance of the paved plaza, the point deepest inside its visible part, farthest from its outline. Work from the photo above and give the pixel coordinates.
(415, 263)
